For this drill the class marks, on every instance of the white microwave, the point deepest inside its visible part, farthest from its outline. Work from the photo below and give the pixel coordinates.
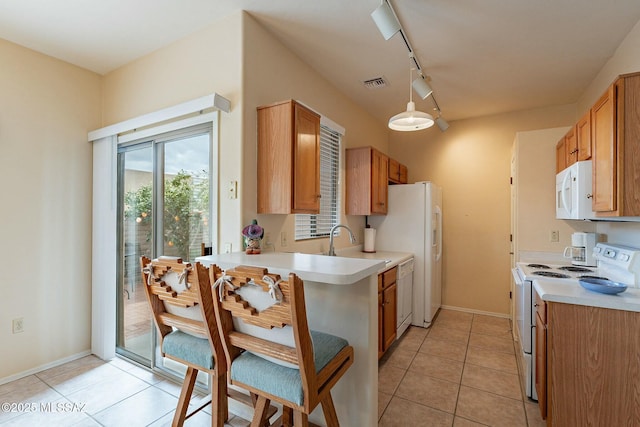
(573, 192)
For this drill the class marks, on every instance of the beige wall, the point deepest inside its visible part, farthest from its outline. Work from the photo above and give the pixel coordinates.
(273, 73)
(471, 161)
(205, 62)
(46, 109)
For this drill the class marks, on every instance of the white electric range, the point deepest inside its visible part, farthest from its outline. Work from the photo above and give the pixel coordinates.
(614, 262)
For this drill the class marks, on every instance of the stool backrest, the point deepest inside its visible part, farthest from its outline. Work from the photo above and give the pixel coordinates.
(180, 297)
(258, 312)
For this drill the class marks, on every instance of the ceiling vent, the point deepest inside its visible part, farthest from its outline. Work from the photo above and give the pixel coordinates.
(375, 83)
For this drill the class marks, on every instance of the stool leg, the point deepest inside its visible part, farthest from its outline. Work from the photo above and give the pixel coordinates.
(329, 411)
(260, 411)
(219, 402)
(287, 417)
(185, 396)
(300, 419)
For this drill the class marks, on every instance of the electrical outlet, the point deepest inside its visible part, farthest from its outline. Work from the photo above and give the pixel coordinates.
(17, 325)
(227, 248)
(267, 238)
(283, 238)
(554, 236)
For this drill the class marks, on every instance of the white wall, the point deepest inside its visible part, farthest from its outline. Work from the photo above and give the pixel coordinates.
(46, 109)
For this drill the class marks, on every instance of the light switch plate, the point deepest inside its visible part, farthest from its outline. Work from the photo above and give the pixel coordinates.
(233, 189)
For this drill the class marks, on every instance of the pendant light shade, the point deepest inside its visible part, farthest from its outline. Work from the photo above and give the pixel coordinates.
(411, 119)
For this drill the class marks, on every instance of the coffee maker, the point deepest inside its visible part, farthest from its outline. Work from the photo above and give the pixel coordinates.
(581, 250)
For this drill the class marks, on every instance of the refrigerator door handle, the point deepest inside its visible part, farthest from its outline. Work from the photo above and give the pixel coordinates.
(437, 231)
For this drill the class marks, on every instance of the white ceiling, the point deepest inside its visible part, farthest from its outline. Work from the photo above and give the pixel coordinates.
(483, 57)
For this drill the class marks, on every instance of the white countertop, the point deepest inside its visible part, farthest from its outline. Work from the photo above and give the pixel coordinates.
(391, 258)
(336, 270)
(558, 291)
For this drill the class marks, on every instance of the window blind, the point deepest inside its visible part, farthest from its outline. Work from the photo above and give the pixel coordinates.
(310, 226)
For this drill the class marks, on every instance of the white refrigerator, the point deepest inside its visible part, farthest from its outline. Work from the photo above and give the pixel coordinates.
(414, 224)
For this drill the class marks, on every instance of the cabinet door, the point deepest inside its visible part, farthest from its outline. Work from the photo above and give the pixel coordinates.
(394, 171)
(404, 174)
(379, 182)
(380, 325)
(561, 155)
(389, 328)
(306, 162)
(541, 365)
(583, 135)
(604, 142)
(571, 142)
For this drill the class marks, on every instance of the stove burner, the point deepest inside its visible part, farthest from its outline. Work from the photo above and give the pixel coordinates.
(576, 269)
(551, 274)
(586, 276)
(538, 266)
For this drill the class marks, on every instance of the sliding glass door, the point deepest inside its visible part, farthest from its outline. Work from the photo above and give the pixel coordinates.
(164, 209)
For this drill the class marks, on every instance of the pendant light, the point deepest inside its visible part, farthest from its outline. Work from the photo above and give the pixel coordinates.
(411, 119)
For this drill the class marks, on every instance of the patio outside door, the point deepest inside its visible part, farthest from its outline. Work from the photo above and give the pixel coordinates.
(164, 187)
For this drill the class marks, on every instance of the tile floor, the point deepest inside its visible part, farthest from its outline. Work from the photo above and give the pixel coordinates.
(460, 372)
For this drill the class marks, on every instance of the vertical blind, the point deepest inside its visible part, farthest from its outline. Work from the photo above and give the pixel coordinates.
(309, 226)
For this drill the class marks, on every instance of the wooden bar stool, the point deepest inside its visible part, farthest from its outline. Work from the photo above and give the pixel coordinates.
(269, 348)
(181, 302)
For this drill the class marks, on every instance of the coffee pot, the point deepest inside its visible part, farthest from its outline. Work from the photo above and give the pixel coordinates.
(581, 250)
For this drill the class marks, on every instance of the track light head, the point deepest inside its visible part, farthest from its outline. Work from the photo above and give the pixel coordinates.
(442, 123)
(421, 87)
(386, 20)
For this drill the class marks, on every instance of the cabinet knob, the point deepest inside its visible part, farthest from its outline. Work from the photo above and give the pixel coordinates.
(319, 196)
(589, 196)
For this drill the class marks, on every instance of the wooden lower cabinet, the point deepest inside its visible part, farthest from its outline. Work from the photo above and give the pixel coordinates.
(541, 365)
(593, 366)
(387, 310)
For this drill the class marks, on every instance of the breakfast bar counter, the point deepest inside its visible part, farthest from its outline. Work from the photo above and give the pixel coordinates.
(341, 299)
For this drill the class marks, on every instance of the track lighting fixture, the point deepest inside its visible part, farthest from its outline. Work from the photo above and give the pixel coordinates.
(442, 123)
(386, 20)
(421, 87)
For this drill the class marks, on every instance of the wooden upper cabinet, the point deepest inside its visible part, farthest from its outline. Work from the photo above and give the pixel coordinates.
(561, 155)
(571, 142)
(604, 152)
(404, 174)
(288, 159)
(397, 172)
(615, 137)
(367, 172)
(583, 135)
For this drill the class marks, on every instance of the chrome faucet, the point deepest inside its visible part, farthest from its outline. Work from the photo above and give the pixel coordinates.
(332, 251)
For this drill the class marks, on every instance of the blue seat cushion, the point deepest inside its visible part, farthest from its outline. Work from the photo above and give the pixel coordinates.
(188, 348)
(280, 380)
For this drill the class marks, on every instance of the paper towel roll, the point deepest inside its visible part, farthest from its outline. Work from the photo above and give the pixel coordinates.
(369, 240)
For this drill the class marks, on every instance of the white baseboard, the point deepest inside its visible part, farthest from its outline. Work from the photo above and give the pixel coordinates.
(44, 367)
(468, 310)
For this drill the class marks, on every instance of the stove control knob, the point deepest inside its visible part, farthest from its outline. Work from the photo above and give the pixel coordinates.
(610, 253)
(624, 257)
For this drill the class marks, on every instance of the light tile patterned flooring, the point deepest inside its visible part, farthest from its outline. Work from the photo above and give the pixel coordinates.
(460, 372)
